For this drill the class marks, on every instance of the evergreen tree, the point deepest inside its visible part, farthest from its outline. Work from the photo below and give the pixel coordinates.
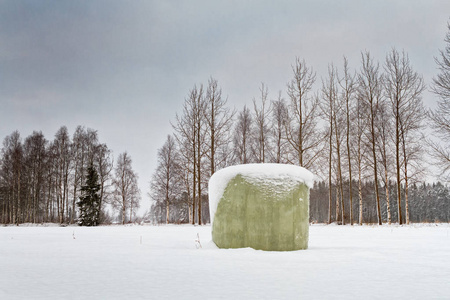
(89, 202)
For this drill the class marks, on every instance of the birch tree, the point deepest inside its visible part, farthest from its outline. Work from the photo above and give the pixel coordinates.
(359, 150)
(348, 87)
(62, 145)
(35, 152)
(278, 121)
(339, 127)
(370, 91)
(104, 161)
(329, 95)
(191, 133)
(441, 116)
(261, 129)
(12, 173)
(126, 192)
(242, 137)
(165, 182)
(385, 136)
(403, 88)
(301, 130)
(78, 156)
(219, 121)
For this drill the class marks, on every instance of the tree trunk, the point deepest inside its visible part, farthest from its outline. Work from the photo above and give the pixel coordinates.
(350, 189)
(406, 179)
(360, 179)
(18, 198)
(360, 198)
(330, 192)
(375, 168)
(123, 210)
(339, 181)
(194, 195)
(330, 156)
(131, 211)
(337, 204)
(386, 186)
(398, 169)
(199, 182)
(167, 212)
(406, 196)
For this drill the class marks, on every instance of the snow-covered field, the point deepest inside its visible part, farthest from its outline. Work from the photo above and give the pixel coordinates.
(163, 262)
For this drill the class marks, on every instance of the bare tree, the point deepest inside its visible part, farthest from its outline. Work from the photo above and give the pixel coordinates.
(199, 126)
(127, 194)
(219, 120)
(187, 179)
(333, 112)
(190, 133)
(385, 135)
(441, 116)
(441, 83)
(12, 173)
(338, 120)
(104, 162)
(52, 181)
(78, 165)
(278, 121)
(348, 86)
(261, 128)
(242, 137)
(301, 130)
(403, 87)
(62, 145)
(35, 153)
(412, 148)
(370, 91)
(165, 181)
(359, 150)
(329, 93)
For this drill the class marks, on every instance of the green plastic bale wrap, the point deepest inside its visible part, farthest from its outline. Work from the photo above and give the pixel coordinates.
(262, 206)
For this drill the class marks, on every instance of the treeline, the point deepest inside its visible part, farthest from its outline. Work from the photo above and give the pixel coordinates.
(358, 130)
(428, 203)
(41, 180)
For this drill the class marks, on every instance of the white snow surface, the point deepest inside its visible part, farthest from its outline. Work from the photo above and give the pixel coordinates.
(273, 173)
(163, 262)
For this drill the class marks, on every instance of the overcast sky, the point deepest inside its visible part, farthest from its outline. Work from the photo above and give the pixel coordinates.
(124, 68)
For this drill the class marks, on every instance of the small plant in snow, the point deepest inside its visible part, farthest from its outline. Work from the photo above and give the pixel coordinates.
(197, 242)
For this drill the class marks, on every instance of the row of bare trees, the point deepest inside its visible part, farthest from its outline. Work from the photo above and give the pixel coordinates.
(200, 145)
(364, 126)
(40, 180)
(376, 116)
(441, 116)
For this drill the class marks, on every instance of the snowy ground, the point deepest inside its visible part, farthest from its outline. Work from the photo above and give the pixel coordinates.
(163, 262)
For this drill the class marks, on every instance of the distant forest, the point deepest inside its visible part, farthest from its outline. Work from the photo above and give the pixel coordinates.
(364, 133)
(41, 180)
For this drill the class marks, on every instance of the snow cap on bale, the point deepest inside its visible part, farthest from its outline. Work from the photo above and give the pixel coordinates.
(219, 180)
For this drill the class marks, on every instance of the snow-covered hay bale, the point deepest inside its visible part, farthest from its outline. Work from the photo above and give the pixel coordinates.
(262, 206)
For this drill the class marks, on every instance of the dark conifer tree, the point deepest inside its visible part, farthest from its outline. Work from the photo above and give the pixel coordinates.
(89, 201)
